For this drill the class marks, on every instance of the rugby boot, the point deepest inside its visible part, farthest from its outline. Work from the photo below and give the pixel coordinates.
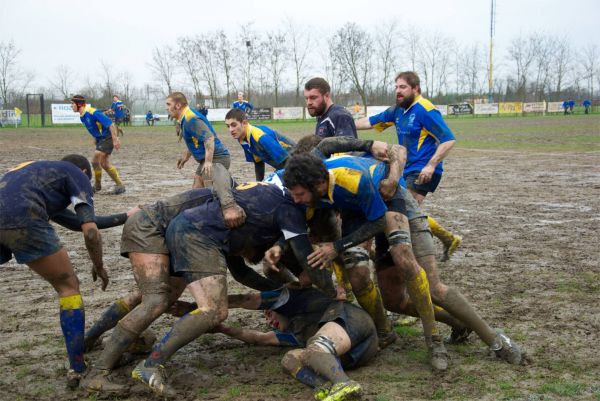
(386, 339)
(97, 186)
(322, 391)
(344, 391)
(459, 335)
(439, 355)
(506, 349)
(119, 189)
(73, 379)
(450, 246)
(154, 377)
(99, 381)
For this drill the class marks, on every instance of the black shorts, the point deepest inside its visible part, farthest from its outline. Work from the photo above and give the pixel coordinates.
(105, 145)
(224, 160)
(119, 121)
(360, 328)
(422, 189)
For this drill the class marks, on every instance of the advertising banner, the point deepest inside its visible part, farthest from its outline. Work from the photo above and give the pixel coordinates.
(10, 117)
(511, 108)
(217, 115)
(288, 113)
(486, 108)
(534, 107)
(373, 110)
(263, 113)
(555, 107)
(63, 114)
(442, 108)
(460, 109)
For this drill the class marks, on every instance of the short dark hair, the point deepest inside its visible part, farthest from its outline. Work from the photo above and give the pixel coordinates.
(306, 170)
(411, 78)
(178, 97)
(236, 114)
(78, 99)
(318, 83)
(81, 162)
(306, 144)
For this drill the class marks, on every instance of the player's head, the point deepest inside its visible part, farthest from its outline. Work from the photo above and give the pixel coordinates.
(77, 102)
(306, 144)
(81, 162)
(408, 87)
(317, 94)
(115, 98)
(175, 103)
(240, 96)
(276, 320)
(236, 121)
(306, 177)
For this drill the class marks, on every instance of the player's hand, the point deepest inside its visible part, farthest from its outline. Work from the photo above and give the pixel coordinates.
(133, 211)
(322, 256)
(388, 188)
(379, 150)
(425, 175)
(234, 216)
(99, 271)
(117, 144)
(207, 170)
(180, 163)
(272, 257)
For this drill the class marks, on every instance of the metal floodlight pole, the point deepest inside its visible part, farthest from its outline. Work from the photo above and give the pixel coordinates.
(492, 31)
(248, 49)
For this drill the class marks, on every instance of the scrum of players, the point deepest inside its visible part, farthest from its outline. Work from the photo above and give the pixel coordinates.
(335, 203)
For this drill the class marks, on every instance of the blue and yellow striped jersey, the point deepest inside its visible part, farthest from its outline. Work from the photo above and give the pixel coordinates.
(420, 128)
(194, 129)
(354, 185)
(243, 105)
(119, 109)
(96, 123)
(262, 144)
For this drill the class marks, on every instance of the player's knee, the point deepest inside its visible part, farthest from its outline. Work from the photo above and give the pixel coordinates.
(133, 299)
(292, 361)
(356, 256)
(421, 238)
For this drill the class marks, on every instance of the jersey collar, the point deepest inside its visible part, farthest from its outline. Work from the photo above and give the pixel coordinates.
(413, 103)
(183, 113)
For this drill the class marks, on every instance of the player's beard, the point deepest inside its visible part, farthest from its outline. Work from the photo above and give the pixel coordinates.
(317, 111)
(406, 101)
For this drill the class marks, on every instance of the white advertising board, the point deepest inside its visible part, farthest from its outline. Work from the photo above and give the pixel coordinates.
(442, 108)
(217, 115)
(372, 110)
(288, 113)
(534, 107)
(63, 114)
(555, 107)
(486, 108)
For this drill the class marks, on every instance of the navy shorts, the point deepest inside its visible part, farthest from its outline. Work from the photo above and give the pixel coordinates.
(28, 244)
(423, 189)
(360, 328)
(105, 145)
(193, 255)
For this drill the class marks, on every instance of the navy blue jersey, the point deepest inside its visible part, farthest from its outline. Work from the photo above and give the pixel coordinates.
(336, 121)
(34, 191)
(270, 214)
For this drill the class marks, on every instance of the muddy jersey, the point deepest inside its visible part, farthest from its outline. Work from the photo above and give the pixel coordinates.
(336, 121)
(354, 185)
(195, 128)
(34, 191)
(420, 128)
(263, 144)
(96, 123)
(163, 211)
(270, 214)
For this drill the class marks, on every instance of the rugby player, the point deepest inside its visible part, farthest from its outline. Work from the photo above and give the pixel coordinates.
(242, 104)
(332, 120)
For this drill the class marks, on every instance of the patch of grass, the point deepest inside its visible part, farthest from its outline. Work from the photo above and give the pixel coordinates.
(562, 388)
(234, 392)
(23, 372)
(408, 331)
(25, 345)
(439, 394)
(421, 356)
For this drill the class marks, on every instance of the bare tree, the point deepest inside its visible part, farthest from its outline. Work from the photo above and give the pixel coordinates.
(590, 64)
(250, 47)
(434, 57)
(561, 61)
(300, 43)
(108, 76)
(126, 88)
(8, 70)
(164, 66)
(63, 80)
(351, 47)
(411, 45)
(542, 48)
(225, 59)
(189, 59)
(206, 47)
(521, 51)
(471, 70)
(277, 55)
(386, 40)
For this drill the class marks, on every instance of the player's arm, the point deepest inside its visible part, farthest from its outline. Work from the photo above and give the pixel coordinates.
(113, 133)
(363, 123)
(389, 185)
(248, 335)
(244, 274)
(70, 220)
(259, 170)
(434, 123)
(93, 241)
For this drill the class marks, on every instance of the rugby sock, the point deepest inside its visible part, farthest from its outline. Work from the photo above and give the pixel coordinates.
(114, 174)
(72, 322)
(418, 290)
(186, 329)
(440, 232)
(120, 340)
(98, 176)
(370, 300)
(342, 279)
(309, 377)
(109, 319)
(325, 364)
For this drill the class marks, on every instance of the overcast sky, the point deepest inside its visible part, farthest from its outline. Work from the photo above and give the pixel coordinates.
(123, 33)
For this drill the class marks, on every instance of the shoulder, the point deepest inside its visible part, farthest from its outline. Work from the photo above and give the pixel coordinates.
(425, 104)
(337, 111)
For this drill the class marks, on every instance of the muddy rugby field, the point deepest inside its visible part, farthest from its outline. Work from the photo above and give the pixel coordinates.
(523, 192)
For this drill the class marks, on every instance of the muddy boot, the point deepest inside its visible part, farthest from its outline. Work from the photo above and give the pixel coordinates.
(154, 377)
(459, 335)
(506, 349)
(450, 247)
(99, 381)
(97, 187)
(118, 190)
(349, 390)
(73, 379)
(386, 338)
(439, 355)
